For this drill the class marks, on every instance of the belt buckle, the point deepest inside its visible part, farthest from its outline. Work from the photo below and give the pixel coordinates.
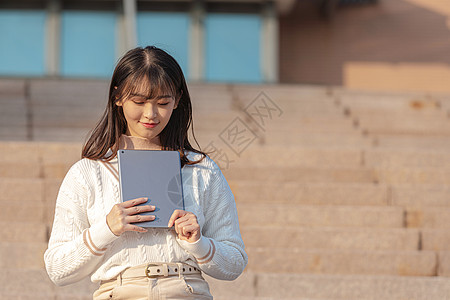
(147, 271)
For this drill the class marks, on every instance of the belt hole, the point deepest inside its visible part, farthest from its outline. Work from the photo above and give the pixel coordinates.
(176, 270)
(184, 269)
(190, 269)
(195, 269)
(158, 270)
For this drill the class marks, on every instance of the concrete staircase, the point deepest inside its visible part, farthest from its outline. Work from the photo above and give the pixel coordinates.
(341, 194)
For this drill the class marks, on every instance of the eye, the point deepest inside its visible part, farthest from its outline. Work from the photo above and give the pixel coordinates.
(164, 103)
(138, 102)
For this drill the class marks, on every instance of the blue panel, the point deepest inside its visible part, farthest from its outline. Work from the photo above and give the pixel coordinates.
(22, 42)
(168, 31)
(233, 47)
(88, 43)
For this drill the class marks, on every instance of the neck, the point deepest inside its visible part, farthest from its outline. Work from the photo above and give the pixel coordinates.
(136, 143)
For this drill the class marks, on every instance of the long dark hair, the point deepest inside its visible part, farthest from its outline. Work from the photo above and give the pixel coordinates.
(158, 72)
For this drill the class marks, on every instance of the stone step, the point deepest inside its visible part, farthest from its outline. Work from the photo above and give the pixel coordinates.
(63, 116)
(400, 118)
(413, 176)
(22, 190)
(262, 298)
(280, 92)
(45, 152)
(312, 141)
(60, 134)
(12, 87)
(416, 196)
(249, 285)
(343, 93)
(432, 217)
(342, 262)
(444, 263)
(37, 160)
(282, 137)
(384, 124)
(82, 91)
(33, 212)
(14, 133)
(22, 255)
(19, 152)
(294, 156)
(23, 231)
(313, 124)
(331, 238)
(33, 170)
(320, 286)
(435, 239)
(311, 193)
(291, 215)
(391, 104)
(424, 158)
(205, 103)
(13, 112)
(39, 286)
(395, 141)
(297, 125)
(303, 175)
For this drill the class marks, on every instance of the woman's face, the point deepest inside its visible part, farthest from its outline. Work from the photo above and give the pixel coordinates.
(145, 117)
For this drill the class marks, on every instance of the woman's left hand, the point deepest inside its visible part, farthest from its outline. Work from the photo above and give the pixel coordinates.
(186, 225)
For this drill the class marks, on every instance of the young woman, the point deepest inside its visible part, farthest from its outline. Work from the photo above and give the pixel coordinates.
(95, 234)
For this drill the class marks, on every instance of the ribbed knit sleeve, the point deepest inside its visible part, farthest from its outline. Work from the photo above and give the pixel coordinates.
(220, 251)
(75, 247)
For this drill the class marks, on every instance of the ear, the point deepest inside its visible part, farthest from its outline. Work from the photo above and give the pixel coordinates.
(119, 102)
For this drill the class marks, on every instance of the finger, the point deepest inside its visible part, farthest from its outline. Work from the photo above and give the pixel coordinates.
(185, 227)
(133, 202)
(189, 230)
(175, 215)
(188, 218)
(136, 228)
(181, 222)
(139, 209)
(139, 218)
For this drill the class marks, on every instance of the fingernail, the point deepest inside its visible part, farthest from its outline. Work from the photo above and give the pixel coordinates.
(152, 207)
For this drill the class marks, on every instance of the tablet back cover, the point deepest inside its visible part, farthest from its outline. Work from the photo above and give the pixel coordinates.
(155, 174)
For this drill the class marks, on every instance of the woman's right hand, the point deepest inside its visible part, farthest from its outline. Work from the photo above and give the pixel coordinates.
(123, 214)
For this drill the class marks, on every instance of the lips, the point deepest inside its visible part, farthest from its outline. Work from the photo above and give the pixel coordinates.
(149, 125)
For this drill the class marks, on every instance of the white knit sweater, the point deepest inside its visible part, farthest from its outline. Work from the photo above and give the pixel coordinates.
(81, 243)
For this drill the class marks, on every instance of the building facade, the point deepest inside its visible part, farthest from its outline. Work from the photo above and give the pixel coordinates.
(214, 41)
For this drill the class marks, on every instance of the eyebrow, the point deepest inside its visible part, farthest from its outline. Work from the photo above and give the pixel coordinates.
(157, 98)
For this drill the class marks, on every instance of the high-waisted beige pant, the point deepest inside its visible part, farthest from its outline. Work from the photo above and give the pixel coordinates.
(191, 286)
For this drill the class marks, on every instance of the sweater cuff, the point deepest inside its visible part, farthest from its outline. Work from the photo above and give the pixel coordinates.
(198, 249)
(101, 235)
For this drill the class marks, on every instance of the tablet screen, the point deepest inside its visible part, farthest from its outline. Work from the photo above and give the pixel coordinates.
(155, 174)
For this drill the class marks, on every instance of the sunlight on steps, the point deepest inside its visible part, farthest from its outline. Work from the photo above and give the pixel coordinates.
(341, 194)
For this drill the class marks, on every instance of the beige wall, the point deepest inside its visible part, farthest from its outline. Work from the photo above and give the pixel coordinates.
(393, 45)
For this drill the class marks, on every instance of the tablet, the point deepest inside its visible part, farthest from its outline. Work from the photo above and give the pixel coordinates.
(155, 174)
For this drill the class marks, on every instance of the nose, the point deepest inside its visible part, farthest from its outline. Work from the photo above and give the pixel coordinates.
(150, 111)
